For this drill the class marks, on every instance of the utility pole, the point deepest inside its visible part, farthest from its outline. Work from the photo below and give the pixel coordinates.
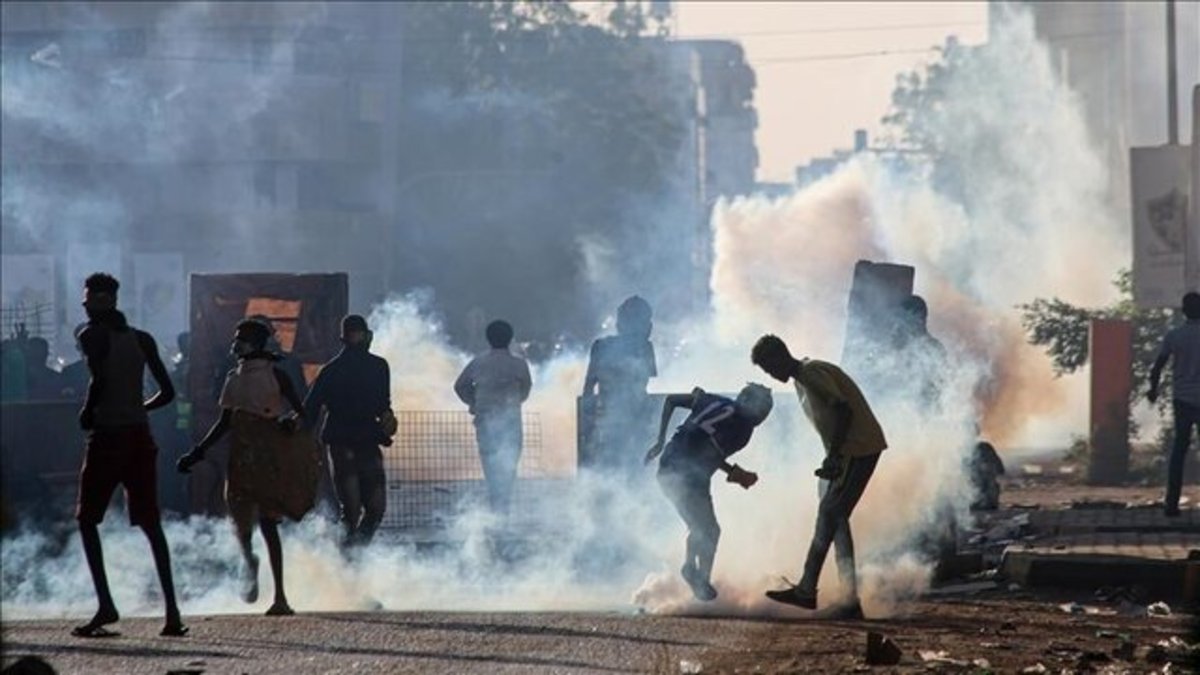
(1172, 80)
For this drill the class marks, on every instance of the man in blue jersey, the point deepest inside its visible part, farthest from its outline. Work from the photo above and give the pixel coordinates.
(716, 428)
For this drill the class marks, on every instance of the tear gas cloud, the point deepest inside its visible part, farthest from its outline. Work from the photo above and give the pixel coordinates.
(781, 266)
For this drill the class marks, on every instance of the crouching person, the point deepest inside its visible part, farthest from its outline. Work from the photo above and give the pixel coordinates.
(716, 428)
(272, 469)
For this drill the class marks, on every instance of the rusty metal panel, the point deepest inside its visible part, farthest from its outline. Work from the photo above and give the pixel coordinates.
(1111, 356)
(306, 310)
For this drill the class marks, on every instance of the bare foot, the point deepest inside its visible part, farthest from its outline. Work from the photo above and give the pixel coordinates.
(95, 627)
(250, 581)
(280, 608)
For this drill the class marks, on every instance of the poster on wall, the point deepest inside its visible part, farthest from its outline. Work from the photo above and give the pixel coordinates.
(82, 261)
(1160, 200)
(160, 297)
(27, 295)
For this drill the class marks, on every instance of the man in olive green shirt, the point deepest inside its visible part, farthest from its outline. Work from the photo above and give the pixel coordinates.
(853, 442)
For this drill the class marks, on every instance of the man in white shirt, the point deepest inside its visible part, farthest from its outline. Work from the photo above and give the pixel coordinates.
(494, 385)
(1183, 345)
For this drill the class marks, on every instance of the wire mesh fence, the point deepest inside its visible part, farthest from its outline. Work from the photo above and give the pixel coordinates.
(433, 469)
(31, 320)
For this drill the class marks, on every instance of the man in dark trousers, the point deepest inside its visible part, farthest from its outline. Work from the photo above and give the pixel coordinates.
(853, 443)
(120, 449)
(1183, 345)
(355, 390)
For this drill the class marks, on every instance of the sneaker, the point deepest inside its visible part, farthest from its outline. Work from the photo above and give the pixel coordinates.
(702, 589)
(794, 596)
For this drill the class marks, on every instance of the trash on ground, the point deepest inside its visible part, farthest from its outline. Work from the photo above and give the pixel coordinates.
(1158, 609)
(881, 651)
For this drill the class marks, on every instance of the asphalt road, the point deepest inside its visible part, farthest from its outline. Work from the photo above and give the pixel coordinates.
(1010, 630)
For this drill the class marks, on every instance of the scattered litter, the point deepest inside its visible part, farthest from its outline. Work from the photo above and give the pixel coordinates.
(687, 667)
(995, 645)
(1031, 469)
(881, 651)
(1066, 469)
(1173, 649)
(1035, 669)
(1014, 586)
(1159, 609)
(941, 656)
(1076, 608)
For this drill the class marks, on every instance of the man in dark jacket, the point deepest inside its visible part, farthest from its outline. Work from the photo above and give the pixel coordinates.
(354, 388)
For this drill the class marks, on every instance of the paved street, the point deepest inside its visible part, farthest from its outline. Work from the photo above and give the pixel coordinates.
(1010, 630)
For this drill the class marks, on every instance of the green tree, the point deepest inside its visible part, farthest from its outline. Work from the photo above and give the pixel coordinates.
(1062, 330)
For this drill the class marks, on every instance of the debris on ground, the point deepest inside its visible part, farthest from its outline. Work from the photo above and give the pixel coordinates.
(1158, 609)
(881, 651)
(942, 657)
(1035, 669)
(1174, 649)
(1076, 608)
(689, 667)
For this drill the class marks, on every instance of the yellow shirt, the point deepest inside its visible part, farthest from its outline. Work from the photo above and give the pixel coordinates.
(821, 386)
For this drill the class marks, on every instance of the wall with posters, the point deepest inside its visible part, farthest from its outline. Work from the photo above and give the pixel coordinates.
(160, 297)
(1160, 196)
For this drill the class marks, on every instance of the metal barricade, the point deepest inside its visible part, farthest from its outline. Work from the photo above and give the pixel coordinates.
(433, 468)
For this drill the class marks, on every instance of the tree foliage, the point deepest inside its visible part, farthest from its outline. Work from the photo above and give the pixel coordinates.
(1062, 329)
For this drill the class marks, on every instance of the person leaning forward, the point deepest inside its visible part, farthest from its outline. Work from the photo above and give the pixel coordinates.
(853, 442)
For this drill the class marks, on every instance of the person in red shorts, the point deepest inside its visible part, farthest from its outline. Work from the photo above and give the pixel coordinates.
(119, 448)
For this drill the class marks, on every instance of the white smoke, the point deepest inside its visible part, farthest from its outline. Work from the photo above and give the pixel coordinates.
(1028, 221)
